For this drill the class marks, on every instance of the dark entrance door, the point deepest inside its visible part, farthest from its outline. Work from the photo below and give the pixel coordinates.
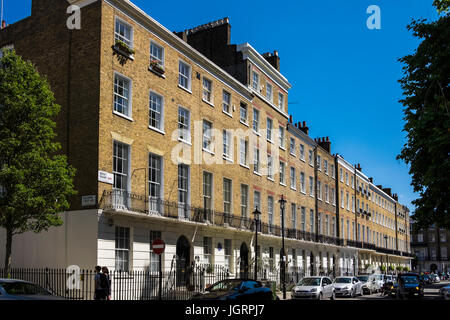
(311, 265)
(243, 265)
(183, 261)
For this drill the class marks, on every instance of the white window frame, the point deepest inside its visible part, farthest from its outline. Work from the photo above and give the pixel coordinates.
(256, 160)
(122, 77)
(188, 130)
(281, 102)
(292, 178)
(207, 137)
(292, 146)
(256, 120)
(181, 76)
(226, 145)
(153, 57)
(254, 73)
(226, 103)
(283, 173)
(118, 36)
(269, 129)
(269, 93)
(243, 143)
(243, 106)
(161, 113)
(208, 91)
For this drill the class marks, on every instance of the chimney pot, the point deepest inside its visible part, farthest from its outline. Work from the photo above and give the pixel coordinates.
(304, 123)
(296, 125)
(3, 24)
(290, 119)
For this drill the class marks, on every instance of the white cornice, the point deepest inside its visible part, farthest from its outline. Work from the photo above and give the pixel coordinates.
(347, 165)
(250, 53)
(153, 26)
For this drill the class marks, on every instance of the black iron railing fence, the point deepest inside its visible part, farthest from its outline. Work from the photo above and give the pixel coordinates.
(178, 284)
(133, 285)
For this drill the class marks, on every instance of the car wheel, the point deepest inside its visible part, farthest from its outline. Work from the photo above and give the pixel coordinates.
(333, 296)
(352, 294)
(320, 297)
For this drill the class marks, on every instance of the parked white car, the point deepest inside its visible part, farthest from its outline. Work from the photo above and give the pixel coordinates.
(347, 286)
(377, 281)
(368, 285)
(314, 288)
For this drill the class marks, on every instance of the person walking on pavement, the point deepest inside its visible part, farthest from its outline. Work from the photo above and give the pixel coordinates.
(99, 292)
(105, 271)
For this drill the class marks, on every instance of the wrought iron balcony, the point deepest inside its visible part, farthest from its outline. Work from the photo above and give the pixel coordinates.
(120, 201)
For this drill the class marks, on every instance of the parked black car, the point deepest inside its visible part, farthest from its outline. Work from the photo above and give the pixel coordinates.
(236, 289)
(11, 289)
(409, 285)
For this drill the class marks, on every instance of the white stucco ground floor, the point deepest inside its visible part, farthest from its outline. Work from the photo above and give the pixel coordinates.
(122, 240)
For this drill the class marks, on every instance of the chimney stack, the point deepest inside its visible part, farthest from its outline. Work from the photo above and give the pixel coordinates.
(388, 191)
(273, 59)
(358, 167)
(379, 186)
(395, 196)
(325, 143)
(371, 179)
(303, 127)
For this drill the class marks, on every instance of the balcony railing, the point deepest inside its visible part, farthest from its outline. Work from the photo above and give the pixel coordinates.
(116, 200)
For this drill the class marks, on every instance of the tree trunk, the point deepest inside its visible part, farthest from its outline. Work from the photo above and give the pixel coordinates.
(9, 236)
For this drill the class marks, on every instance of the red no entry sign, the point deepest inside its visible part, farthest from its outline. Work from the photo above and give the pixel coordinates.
(158, 246)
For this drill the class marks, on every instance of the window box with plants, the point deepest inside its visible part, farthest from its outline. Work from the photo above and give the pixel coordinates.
(156, 67)
(122, 49)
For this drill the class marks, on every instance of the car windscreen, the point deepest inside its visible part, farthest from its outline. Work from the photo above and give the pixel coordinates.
(22, 288)
(409, 279)
(363, 278)
(225, 286)
(343, 280)
(309, 282)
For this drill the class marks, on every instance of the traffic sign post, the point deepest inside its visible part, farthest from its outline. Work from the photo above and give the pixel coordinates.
(158, 247)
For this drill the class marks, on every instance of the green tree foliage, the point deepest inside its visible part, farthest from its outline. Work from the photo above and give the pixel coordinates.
(35, 181)
(442, 6)
(426, 107)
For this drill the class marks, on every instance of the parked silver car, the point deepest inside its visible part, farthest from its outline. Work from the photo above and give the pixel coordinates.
(11, 289)
(368, 285)
(314, 288)
(377, 281)
(347, 286)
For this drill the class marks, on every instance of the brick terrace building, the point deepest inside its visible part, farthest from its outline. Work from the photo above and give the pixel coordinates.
(182, 139)
(430, 248)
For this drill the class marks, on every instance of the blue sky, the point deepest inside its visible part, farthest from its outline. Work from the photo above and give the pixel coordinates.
(344, 75)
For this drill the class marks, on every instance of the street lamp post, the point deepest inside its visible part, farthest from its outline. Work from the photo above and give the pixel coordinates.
(256, 214)
(387, 257)
(282, 202)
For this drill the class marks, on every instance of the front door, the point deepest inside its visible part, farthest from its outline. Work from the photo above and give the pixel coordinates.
(183, 261)
(243, 265)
